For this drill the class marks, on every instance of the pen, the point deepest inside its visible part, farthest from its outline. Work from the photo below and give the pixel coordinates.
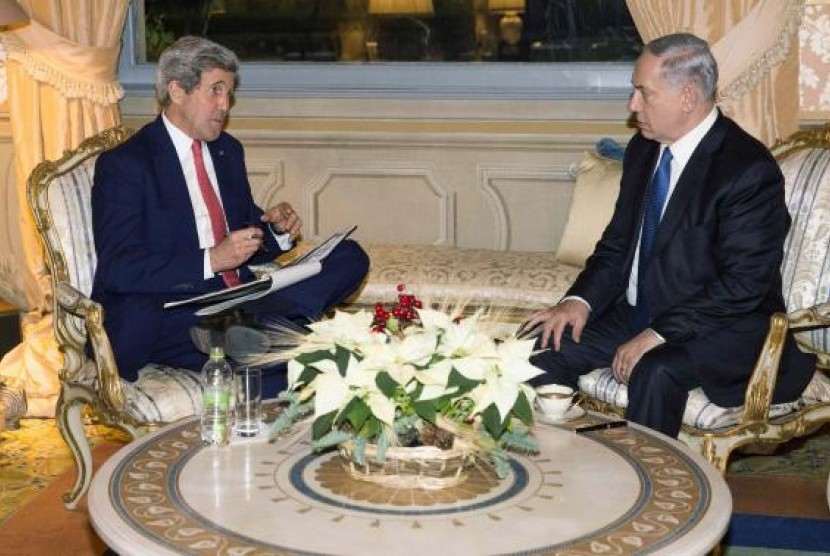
(601, 426)
(263, 248)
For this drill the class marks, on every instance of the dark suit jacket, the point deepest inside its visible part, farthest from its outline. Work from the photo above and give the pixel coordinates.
(146, 240)
(714, 277)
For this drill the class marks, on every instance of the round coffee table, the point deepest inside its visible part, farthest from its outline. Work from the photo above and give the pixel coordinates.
(615, 491)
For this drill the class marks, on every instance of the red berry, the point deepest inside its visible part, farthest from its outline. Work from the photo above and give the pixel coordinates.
(401, 287)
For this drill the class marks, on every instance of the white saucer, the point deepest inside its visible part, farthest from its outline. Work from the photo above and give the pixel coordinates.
(574, 412)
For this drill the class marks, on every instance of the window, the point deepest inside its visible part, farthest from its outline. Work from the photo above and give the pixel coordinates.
(394, 48)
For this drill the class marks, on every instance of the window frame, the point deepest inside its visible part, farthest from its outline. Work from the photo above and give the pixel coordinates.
(401, 80)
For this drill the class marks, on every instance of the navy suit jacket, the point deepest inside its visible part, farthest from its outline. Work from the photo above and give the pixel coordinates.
(146, 239)
(714, 277)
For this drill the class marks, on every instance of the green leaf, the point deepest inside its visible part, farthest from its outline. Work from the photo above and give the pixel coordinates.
(463, 383)
(382, 446)
(386, 384)
(392, 324)
(492, 421)
(341, 358)
(332, 438)
(359, 452)
(520, 440)
(522, 409)
(425, 410)
(355, 412)
(371, 427)
(307, 375)
(322, 425)
(500, 463)
(313, 356)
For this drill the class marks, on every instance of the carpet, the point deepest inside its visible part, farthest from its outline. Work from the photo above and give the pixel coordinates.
(780, 500)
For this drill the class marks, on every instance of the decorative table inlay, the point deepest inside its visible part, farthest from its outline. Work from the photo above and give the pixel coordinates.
(617, 491)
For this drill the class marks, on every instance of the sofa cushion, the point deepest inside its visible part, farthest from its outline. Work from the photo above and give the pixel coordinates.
(595, 193)
(161, 394)
(516, 280)
(700, 412)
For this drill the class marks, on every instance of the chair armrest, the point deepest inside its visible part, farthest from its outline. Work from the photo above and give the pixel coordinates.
(78, 304)
(817, 316)
(762, 382)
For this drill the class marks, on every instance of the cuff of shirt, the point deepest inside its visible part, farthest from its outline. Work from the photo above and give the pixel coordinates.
(207, 271)
(659, 337)
(576, 298)
(283, 240)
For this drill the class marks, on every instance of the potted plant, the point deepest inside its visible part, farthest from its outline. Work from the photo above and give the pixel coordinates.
(411, 396)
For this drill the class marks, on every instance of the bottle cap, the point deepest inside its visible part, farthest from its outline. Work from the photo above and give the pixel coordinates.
(216, 352)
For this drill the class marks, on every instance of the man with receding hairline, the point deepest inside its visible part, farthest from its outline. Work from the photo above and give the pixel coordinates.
(680, 288)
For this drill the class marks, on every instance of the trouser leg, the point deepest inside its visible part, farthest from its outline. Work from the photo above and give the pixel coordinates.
(596, 349)
(659, 389)
(342, 273)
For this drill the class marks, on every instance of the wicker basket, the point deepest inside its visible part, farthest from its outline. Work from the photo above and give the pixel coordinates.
(424, 467)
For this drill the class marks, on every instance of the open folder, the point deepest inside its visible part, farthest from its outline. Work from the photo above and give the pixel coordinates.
(296, 271)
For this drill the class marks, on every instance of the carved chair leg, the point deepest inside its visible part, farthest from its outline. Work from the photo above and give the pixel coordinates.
(69, 417)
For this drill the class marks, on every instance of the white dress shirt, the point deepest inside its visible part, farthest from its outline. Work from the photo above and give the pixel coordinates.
(183, 145)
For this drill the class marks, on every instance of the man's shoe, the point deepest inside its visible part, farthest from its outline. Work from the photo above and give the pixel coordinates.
(246, 344)
(206, 338)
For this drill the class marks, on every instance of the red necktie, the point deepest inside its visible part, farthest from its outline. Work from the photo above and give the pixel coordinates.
(217, 215)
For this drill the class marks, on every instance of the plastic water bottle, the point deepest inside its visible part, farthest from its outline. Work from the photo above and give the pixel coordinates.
(217, 393)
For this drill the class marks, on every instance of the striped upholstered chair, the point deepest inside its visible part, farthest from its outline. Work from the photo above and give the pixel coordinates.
(717, 431)
(59, 198)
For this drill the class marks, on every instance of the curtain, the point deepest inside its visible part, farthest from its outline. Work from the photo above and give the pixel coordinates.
(62, 88)
(756, 45)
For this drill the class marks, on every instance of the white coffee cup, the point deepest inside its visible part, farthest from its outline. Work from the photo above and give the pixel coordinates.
(554, 399)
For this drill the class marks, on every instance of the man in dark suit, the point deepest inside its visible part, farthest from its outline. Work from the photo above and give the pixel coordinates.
(173, 217)
(680, 301)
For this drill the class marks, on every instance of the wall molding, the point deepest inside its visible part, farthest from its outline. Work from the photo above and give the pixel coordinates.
(490, 174)
(427, 176)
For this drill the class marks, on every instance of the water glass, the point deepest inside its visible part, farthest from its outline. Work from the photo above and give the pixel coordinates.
(248, 401)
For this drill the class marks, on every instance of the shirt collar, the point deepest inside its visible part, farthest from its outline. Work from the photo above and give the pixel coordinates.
(683, 148)
(181, 140)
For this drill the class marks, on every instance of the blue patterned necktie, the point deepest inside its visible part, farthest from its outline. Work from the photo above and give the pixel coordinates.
(655, 199)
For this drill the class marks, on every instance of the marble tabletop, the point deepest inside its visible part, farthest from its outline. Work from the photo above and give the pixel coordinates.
(616, 491)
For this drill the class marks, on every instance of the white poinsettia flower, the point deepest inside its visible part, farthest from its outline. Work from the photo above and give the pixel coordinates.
(463, 339)
(350, 330)
(401, 358)
(474, 368)
(437, 374)
(434, 380)
(505, 379)
(381, 407)
(333, 391)
(295, 369)
(515, 355)
(432, 319)
(435, 391)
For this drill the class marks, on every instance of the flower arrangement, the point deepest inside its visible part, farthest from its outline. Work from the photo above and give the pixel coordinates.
(409, 376)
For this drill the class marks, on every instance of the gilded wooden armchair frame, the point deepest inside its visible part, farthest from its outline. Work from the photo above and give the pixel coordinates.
(755, 426)
(84, 383)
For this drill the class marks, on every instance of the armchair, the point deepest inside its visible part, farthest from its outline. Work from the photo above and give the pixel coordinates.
(716, 431)
(59, 198)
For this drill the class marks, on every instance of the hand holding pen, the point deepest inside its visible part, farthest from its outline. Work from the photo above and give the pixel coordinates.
(283, 219)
